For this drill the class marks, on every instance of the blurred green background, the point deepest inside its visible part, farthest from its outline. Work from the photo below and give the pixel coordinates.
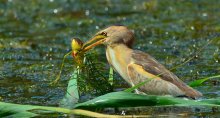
(36, 34)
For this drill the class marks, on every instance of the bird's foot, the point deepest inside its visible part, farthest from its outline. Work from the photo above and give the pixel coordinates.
(139, 92)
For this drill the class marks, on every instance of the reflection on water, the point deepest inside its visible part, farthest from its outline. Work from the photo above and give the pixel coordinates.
(34, 36)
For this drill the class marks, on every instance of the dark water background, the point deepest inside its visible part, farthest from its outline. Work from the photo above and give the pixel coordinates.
(35, 34)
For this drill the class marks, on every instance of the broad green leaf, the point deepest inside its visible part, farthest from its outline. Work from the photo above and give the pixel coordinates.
(115, 99)
(72, 94)
(201, 81)
(126, 99)
(10, 110)
(16, 110)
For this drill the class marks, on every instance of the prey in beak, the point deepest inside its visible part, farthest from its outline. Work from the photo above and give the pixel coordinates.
(79, 48)
(77, 53)
(76, 46)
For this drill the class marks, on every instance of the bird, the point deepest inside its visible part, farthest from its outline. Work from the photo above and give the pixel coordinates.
(136, 66)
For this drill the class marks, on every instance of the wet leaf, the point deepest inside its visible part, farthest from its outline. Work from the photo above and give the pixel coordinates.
(126, 99)
(10, 110)
(199, 82)
(72, 94)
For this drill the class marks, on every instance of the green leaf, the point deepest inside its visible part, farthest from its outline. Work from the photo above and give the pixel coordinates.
(72, 94)
(201, 81)
(115, 99)
(126, 99)
(10, 110)
(16, 110)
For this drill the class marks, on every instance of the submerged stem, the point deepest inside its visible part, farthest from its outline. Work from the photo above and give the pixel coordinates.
(61, 68)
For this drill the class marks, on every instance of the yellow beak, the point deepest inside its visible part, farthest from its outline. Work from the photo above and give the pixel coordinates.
(95, 41)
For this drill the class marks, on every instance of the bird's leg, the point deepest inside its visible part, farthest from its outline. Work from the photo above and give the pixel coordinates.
(139, 92)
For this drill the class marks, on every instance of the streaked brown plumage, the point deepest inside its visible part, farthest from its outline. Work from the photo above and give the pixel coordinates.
(135, 66)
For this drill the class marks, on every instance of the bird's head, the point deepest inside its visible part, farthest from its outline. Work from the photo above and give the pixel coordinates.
(116, 35)
(111, 36)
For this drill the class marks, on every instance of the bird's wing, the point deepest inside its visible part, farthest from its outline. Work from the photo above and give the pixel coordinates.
(154, 85)
(144, 63)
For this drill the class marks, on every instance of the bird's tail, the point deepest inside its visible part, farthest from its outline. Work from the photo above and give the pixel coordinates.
(192, 93)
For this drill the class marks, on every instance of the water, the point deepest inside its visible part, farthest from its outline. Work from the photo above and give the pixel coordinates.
(35, 35)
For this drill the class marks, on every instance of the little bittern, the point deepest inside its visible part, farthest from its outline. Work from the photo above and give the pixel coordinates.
(136, 66)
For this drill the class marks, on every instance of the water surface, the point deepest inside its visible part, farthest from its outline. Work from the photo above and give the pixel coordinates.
(35, 35)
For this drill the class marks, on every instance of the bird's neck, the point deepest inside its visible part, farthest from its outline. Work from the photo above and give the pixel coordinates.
(119, 50)
(119, 46)
(118, 57)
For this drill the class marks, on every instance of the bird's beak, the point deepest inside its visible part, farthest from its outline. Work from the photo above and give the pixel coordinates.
(96, 40)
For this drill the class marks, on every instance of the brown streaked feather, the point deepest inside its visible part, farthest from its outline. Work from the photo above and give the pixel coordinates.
(150, 65)
(155, 85)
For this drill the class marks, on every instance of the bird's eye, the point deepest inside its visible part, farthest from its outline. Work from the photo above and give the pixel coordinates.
(103, 33)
